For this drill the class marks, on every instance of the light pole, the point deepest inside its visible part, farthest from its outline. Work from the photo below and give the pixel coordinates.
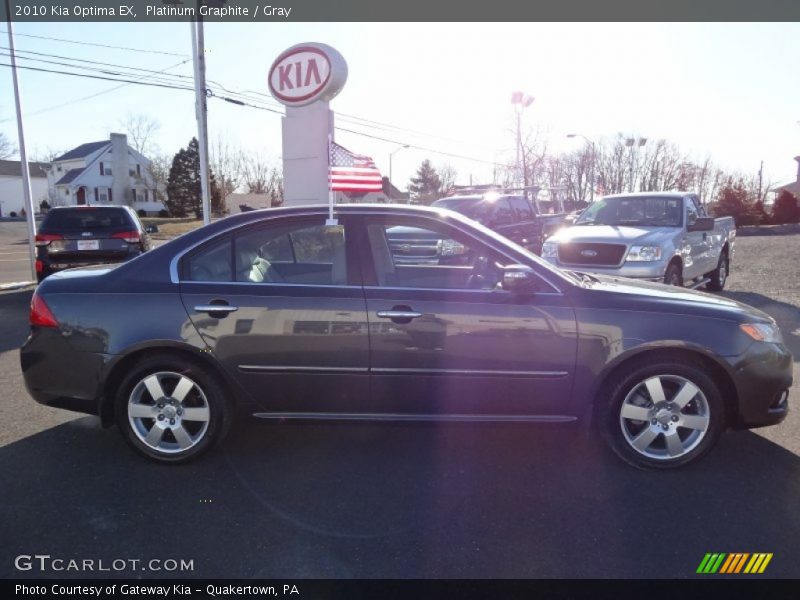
(391, 154)
(630, 143)
(520, 101)
(594, 158)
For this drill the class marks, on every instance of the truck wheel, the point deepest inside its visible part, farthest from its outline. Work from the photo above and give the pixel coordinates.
(662, 414)
(719, 275)
(673, 275)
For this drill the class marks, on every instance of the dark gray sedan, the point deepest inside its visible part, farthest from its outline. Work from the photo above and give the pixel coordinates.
(277, 314)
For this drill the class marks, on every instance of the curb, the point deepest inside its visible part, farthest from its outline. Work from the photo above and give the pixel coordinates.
(14, 285)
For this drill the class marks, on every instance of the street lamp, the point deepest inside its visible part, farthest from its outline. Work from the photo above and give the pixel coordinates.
(594, 158)
(630, 143)
(520, 101)
(391, 154)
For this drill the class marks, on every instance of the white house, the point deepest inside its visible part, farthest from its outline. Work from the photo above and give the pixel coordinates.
(792, 187)
(107, 172)
(12, 198)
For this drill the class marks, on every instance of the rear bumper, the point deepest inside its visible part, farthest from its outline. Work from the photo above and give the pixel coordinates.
(53, 264)
(763, 377)
(57, 375)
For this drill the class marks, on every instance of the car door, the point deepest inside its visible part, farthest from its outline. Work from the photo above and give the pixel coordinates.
(698, 242)
(528, 231)
(280, 305)
(445, 339)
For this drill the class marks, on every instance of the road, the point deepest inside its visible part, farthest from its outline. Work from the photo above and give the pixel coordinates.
(384, 500)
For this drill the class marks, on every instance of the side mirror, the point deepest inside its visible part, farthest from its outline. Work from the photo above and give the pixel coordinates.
(151, 229)
(701, 224)
(519, 279)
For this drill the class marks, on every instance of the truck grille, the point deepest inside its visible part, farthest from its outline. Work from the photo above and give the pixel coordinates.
(414, 251)
(607, 255)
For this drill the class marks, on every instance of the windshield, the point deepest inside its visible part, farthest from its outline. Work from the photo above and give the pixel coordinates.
(86, 218)
(652, 211)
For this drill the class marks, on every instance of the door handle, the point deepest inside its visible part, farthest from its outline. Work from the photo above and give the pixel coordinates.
(216, 308)
(398, 314)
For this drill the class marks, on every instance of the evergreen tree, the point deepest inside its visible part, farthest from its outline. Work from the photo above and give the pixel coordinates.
(425, 188)
(785, 209)
(184, 192)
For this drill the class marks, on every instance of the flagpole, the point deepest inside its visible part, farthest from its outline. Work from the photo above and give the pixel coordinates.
(331, 222)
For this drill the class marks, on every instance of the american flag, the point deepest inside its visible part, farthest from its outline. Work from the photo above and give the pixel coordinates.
(352, 172)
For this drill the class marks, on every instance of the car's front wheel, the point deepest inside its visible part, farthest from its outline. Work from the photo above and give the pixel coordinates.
(170, 410)
(662, 414)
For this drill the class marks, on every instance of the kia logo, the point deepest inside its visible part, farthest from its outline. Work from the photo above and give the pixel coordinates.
(306, 73)
(588, 253)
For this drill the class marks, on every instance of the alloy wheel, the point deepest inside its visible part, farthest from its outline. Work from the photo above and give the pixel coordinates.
(664, 417)
(168, 412)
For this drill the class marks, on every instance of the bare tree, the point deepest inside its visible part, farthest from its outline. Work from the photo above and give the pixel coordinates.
(141, 129)
(7, 149)
(447, 177)
(47, 155)
(227, 163)
(257, 173)
(158, 176)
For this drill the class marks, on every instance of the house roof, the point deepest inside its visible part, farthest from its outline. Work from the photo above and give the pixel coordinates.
(70, 176)
(235, 201)
(793, 188)
(83, 150)
(12, 168)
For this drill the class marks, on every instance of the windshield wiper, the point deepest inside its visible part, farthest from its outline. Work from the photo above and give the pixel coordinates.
(583, 277)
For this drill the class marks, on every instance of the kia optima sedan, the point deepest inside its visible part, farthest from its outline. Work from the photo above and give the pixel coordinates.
(281, 315)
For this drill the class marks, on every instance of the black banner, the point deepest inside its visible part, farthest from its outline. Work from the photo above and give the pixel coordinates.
(408, 10)
(389, 589)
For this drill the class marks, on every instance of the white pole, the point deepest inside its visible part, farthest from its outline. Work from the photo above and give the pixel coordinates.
(23, 155)
(331, 220)
(198, 52)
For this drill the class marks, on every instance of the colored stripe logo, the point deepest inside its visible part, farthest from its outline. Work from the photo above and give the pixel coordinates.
(734, 563)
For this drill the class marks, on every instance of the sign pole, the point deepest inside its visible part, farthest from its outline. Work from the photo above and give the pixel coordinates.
(23, 155)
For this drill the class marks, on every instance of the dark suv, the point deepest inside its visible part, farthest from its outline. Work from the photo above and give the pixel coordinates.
(78, 236)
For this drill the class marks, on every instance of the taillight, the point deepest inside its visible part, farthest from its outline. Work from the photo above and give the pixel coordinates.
(39, 266)
(132, 237)
(40, 313)
(44, 239)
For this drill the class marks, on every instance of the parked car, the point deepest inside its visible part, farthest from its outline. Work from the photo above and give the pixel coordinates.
(78, 236)
(275, 313)
(656, 236)
(512, 216)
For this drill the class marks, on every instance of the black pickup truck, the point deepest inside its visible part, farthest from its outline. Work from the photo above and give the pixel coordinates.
(510, 215)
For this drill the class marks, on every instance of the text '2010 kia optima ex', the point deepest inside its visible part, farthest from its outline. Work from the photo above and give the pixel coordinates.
(276, 313)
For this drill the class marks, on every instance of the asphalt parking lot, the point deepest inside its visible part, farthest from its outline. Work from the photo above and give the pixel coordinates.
(402, 500)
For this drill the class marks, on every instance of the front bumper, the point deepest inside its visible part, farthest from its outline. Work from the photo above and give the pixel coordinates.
(649, 271)
(762, 376)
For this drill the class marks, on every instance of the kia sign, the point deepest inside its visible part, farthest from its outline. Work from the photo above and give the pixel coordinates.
(307, 73)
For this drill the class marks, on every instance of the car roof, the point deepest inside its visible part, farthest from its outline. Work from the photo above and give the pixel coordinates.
(659, 194)
(85, 206)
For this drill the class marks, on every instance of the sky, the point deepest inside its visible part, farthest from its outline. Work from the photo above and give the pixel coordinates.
(724, 90)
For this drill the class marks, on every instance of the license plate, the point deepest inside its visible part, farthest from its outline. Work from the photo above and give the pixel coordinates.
(88, 244)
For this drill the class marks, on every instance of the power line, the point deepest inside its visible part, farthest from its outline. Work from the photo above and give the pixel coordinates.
(90, 96)
(131, 81)
(129, 49)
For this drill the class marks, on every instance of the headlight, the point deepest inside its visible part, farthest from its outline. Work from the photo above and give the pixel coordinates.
(549, 250)
(644, 253)
(762, 332)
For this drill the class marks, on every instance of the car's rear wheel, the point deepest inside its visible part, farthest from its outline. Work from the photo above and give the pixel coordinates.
(171, 410)
(719, 276)
(662, 415)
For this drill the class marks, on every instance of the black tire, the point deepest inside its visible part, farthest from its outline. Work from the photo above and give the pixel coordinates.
(719, 276)
(210, 420)
(673, 275)
(622, 433)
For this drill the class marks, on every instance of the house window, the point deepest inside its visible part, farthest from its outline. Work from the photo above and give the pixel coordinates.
(139, 170)
(59, 168)
(146, 195)
(102, 172)
(66, 191)
(103, 195)
(110, 195)
(95, 195)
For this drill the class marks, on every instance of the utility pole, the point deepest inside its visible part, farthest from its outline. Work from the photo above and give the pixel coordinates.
(391, 154)
(23, 155)
(521, 101)
(201, 110)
